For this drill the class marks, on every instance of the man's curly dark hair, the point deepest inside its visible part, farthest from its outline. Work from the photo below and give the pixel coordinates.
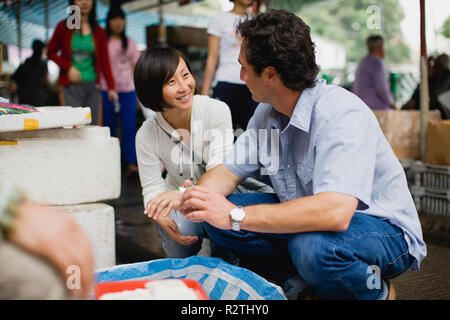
(282, 40)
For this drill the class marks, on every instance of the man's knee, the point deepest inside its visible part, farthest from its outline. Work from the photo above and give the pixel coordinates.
(312, 254)
(212, 231)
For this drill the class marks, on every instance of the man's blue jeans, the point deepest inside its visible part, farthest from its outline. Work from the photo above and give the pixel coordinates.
(338, 265)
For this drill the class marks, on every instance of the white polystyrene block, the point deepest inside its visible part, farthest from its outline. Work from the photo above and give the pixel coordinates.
(83, 132)
(47, 117)
(97, 221)
(63, 166)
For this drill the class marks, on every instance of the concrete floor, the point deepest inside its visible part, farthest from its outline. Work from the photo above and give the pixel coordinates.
(137, 240)
(432, 281)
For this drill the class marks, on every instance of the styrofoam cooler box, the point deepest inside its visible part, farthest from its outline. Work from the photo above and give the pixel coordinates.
(97, 221)
(62, 166)
(45, 118)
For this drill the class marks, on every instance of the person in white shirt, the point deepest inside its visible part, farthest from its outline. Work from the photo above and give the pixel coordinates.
(223, 52)
(188, 134)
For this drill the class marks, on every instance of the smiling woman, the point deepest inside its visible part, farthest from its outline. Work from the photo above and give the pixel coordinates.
(179, 132)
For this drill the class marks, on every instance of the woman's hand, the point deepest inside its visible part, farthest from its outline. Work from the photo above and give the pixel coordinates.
(162, 204)
(74, 75)
(171, 228)
(113, 96)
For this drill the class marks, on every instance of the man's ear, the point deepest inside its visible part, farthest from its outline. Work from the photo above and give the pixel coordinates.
(270, 73)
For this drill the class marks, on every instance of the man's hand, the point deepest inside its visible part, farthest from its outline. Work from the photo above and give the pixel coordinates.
(57, 237)
(204, 205)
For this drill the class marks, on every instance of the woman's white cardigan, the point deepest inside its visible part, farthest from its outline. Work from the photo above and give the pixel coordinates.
(212, 136)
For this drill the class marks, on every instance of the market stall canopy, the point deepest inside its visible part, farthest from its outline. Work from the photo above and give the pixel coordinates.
(294, 5)
(33, 19)
(140, 14)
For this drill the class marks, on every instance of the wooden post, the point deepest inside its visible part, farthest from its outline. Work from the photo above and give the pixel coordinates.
(424, 90)
(19, 28)
(162, 29)
(47, 21)
(1, 59)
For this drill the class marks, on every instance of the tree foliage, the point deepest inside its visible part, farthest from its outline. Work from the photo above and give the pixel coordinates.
(445, 30)
(350, 22)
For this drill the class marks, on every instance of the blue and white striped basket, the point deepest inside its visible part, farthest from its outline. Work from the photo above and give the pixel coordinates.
(220, 280)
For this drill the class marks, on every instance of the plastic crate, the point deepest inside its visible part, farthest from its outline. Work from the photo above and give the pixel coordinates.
(406, 164)
(430, 201)
(431, 177)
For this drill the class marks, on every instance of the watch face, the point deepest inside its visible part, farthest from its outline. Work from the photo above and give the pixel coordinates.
(237, 214)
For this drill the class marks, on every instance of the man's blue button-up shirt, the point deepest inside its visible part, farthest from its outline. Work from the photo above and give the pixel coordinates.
(331, 143)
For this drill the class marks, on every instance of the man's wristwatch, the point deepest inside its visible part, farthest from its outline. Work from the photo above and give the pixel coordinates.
(236, 217)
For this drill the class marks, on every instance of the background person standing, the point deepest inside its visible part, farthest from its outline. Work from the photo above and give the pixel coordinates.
(223, 51)
(371, 78)
(82, 56)
(123, 55)
(438, 83)
(31, 78)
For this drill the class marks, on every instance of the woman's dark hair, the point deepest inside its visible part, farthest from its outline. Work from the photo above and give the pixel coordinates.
(154, 68)
(116, 12)
(92, 15)
(282, 40)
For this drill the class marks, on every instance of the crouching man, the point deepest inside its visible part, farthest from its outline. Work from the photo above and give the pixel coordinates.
(342, 215)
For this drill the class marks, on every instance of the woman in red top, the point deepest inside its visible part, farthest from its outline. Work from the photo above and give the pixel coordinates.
(81, 52)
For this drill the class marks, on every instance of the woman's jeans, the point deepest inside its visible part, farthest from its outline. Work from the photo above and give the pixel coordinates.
(128, 121)
(338, 265)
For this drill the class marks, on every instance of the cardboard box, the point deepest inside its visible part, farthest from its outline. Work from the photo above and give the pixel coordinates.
(438, 143)
(402, 130)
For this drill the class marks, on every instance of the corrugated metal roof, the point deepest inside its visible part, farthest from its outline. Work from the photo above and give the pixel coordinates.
(33, 21)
